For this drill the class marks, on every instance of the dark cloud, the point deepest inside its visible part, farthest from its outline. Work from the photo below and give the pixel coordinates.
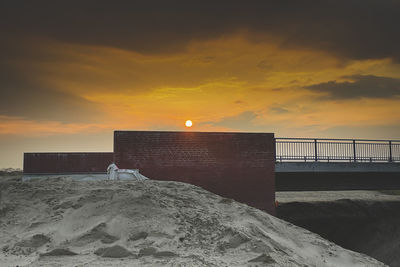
(361, 86)
(22, 97)
(352, 29)
(264, 65)
(240, 121)
(384, 131)
(278, 109)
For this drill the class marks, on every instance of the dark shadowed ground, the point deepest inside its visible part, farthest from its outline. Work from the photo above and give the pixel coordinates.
(368, 222)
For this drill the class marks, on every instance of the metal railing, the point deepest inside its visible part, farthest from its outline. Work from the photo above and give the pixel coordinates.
(338, 150)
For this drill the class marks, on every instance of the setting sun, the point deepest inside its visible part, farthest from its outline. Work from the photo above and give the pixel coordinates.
(188, 123)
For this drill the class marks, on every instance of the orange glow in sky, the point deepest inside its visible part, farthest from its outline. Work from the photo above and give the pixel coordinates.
(65, 90)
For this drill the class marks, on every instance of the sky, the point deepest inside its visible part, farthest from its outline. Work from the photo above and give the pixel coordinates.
(72, 72)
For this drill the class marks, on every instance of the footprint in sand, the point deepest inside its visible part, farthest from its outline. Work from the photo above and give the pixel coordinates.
(113, 252)
(34, 242)
(97, 233)
(59, 252)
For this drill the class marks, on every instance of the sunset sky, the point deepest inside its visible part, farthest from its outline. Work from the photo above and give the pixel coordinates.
(71, 72)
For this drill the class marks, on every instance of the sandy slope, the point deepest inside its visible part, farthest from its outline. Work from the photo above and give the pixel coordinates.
(60, 222)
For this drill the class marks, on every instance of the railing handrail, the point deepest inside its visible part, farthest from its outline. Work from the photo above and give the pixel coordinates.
(336, 139)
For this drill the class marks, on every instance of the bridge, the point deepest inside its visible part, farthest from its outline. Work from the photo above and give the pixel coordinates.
(307, 164)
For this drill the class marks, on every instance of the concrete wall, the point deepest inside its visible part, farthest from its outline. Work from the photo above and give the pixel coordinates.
(328, 181)
(357, 167)
(234, 165)
(56, 163)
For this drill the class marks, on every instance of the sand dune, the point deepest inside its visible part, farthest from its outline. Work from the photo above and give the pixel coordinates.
(61, 222)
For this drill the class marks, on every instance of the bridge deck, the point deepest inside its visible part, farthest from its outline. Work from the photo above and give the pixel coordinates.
(338, 167)
(304, 164)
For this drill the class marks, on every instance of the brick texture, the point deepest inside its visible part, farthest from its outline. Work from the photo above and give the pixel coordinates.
(235, 165)
(54, 163)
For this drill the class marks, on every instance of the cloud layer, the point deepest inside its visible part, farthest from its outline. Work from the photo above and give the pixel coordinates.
(23, 97)
(296, 68)
(351, 29)
(360, 86)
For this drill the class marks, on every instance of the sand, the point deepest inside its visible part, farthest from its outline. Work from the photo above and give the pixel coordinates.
(62, 222)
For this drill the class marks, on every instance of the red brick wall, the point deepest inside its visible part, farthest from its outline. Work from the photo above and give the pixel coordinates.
(53, 163)
(235, 165)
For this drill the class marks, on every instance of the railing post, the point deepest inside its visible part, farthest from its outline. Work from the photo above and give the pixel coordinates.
(390, 151)
(316, 150)
(354, 150)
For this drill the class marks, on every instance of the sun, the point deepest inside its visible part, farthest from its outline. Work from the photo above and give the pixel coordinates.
(188, 123)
